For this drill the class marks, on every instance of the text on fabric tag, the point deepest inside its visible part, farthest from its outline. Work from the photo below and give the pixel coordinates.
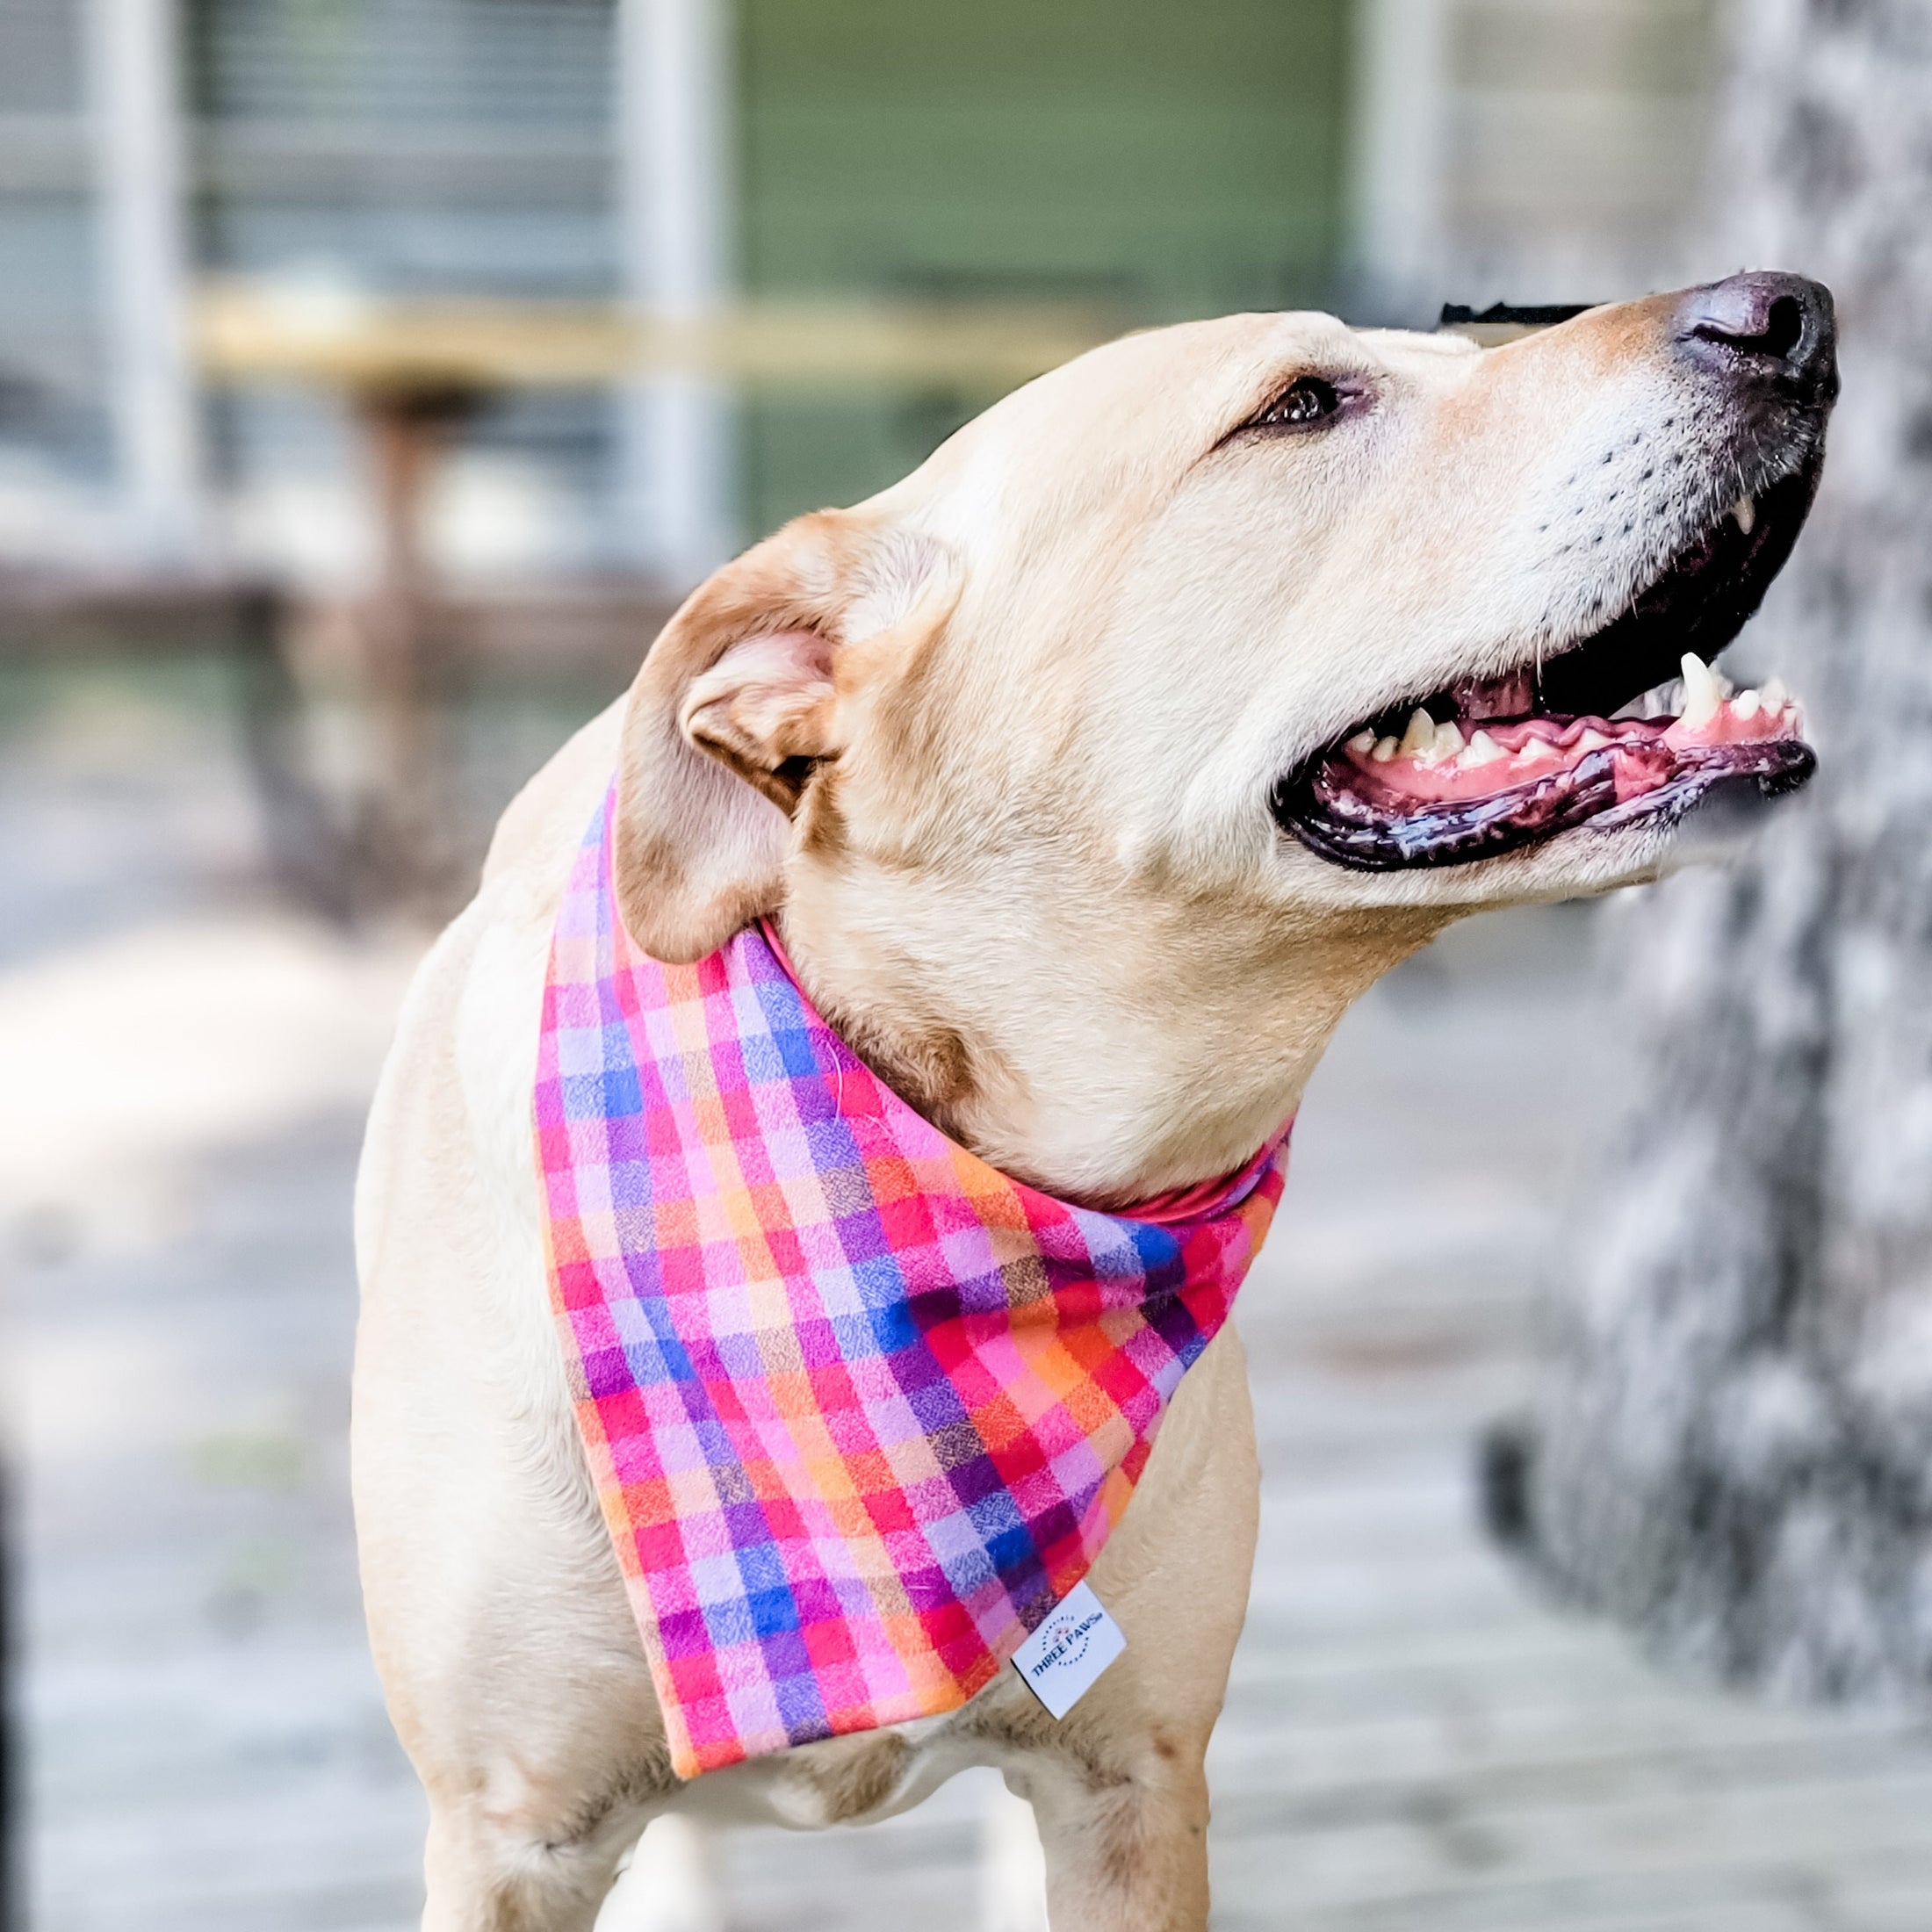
(1075, 1643)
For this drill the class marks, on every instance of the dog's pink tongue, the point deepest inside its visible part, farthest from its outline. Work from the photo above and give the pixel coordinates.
(1642, 751)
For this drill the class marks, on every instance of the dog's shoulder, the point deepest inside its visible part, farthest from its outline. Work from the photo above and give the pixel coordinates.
(541, 826)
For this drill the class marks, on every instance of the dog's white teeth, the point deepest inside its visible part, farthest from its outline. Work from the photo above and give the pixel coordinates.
(1482, 750)
(1420, 736)
(1748, 704)
(1746, 513)
(1773, 693)
(1701, 696)
(1385, 749)
(1532, 748)
(1362, 744)
(1592, 740)
(1448, 741)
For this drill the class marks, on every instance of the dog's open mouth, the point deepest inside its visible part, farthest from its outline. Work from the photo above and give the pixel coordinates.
(1628, 724)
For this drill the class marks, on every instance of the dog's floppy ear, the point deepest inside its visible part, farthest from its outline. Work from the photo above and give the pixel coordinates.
(737, 702)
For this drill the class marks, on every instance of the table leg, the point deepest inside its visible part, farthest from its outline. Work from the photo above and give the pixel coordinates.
(408, 843)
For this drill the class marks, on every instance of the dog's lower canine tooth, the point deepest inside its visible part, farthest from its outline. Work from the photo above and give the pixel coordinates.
(1746, 513)
(1701, 696)
(1420, 735)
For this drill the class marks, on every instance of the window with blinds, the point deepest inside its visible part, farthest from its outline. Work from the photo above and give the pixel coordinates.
(52, 426)
(413, 144)
(416, 147)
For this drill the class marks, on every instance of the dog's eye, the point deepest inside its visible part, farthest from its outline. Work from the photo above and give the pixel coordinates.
(1306, 401)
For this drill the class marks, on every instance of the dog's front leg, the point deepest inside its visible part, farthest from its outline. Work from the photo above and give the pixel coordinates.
(1126, 1850)
(1118, 1787)
(480, 1877)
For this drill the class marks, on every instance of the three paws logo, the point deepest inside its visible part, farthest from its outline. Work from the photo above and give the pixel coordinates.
(1064, 1639)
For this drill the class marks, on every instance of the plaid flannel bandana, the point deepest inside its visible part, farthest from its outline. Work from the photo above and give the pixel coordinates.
(860, 1409)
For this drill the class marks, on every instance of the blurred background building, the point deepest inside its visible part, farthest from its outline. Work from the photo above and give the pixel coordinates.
(1125, 162)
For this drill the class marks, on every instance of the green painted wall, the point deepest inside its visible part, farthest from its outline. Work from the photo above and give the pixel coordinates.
(1161, 158)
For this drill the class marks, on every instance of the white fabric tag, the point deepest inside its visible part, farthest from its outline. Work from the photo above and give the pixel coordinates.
(1075, 1643)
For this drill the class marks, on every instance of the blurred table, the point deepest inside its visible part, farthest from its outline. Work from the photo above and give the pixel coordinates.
(412, 369)
(368, 345)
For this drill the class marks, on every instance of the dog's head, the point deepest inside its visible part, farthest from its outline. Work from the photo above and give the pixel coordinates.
(1193, 684)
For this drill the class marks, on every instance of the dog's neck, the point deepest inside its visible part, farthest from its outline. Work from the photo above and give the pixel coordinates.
(1102, 1068)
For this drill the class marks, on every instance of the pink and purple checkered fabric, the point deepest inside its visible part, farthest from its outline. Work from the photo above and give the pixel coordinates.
(861, 1410)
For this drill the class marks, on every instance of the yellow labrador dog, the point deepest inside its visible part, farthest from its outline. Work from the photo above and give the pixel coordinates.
(1091, 772)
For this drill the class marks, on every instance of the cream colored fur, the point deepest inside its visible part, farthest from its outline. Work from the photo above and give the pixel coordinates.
(996, 748)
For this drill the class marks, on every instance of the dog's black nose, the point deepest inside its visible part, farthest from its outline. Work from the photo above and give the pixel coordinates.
(1777, 328)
